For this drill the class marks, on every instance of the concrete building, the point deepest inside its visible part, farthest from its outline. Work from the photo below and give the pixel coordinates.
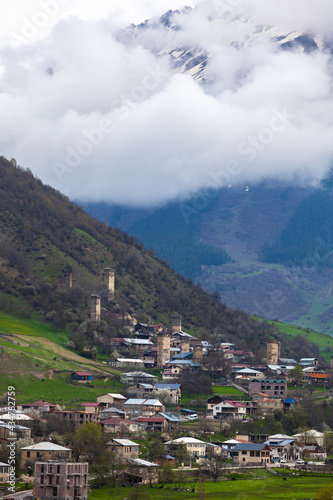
(124, 448)
(250, 453)
(4, 473)
(163, 349)
(95, 307)
(273, 351)
(61, 480)
(229, 408)
(44, 451)
(109, 283)
(274, 388)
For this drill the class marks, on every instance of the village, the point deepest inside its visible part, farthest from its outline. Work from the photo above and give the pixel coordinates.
(150, 426)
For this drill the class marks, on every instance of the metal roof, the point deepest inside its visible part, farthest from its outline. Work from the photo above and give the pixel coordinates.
(124, 442)
(46, 446)
(249, 447)
(134, 401)
(172, 387)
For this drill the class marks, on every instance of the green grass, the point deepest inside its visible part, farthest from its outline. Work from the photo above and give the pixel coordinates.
(269, 488)
(223, 389)
(321, 340)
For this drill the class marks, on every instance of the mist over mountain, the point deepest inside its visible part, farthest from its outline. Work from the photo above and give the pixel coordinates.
(201, 98)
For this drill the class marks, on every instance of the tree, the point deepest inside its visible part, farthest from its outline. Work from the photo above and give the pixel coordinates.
(211, 466)
(167, 474)
(89, 440)
(296, 374)
(325, 493)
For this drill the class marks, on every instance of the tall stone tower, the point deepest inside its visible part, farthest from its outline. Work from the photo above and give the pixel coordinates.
(197, 354)
(273, 351)
(176, 324)
(95, 307)
(163, 348)
(109, 286)
(185, 346)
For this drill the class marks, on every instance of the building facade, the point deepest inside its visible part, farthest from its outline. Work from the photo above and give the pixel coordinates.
(61, 480)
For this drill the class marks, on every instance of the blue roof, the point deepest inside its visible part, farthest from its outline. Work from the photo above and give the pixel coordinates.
(183, 355)
(188, 362)
(289, 401)
(249, 446)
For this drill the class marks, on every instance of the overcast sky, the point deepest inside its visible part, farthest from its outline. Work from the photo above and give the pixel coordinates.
(105, 120)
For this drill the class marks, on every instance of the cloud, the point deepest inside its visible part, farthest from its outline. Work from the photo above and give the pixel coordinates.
(103, 119)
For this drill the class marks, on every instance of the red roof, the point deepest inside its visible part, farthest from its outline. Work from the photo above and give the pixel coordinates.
(233, 403)
(90, 404)
(83, 374)
(159, 420)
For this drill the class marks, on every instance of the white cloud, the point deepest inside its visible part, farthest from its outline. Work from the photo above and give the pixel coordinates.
(104, 120)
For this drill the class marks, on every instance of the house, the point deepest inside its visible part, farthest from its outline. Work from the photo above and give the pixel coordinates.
(44, 451)
(4, 473)
(173, 390)
(310, 437)
(249, 373)
(227, 408)
(75, 417)
(141, 471)
(18, 418)
(124, 448)
(269, 405)
(194, 447)
(304, 362)
(82, 377)
(137, 377)
(140, 390)
(127, 363)
(65, 480)
(214, 450)
(284, 447)
(18, 431)
(112, 412)
(91, 408)
(143, 407)
(171, 373)
(139, 344)
(274, 388)
(213, 401)
(315, 378)
(152, 424)
(120, 425)
(171, 421)
(251, 454)
(111, 399)
(40, 406)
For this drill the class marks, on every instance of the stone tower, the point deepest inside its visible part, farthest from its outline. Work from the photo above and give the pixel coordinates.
(109, 283)
(176, 324)
(273, 351)
(95, 307)
(163, 348)
(185, 346)
(197, 354)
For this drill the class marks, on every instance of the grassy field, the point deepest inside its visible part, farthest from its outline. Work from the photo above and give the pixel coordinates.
(226, 390)
(321, 340)
(294, 488)
(39, 366)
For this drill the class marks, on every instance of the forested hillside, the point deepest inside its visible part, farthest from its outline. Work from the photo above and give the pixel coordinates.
(45, 237)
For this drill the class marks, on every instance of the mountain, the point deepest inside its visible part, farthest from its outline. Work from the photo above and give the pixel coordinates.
(45, 239)
(265, 247)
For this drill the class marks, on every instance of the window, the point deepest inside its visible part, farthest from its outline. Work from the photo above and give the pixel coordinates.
(257, 453)
(50, 468)
(244, 452)
(42, 468)
(28, 454)
(58, 469)
(251, 453)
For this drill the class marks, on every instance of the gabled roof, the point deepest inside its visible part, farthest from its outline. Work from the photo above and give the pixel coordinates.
(39, 404)
(155, 420)
(170, 417)
(152, 402)
(112, 410)
(142, 463)
(83, 374)
(115, 396)
(46, 446)
(135, 401)
(123, 442)
(250, 447)
(185, 440)
(92, 405)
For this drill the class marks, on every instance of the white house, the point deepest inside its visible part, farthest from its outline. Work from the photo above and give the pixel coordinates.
(194, 447)
(225, 408)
